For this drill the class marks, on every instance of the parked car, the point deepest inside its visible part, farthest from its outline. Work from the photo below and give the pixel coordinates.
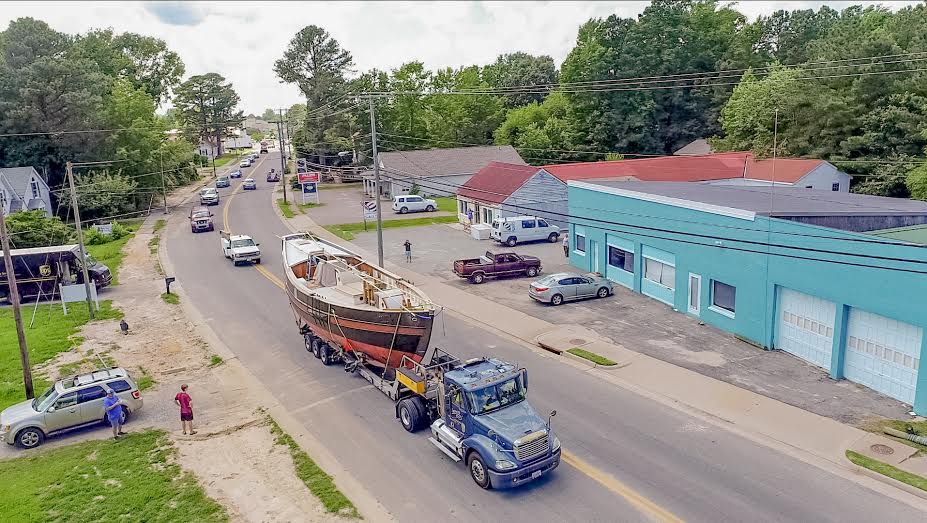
(68, 404)
(500, 264)
(201, 220)
(245, 163)
(248, 184)
(567, 286)
(235, 174)
(209, 196)
(413, 203)
(223, 181)
(516, 229)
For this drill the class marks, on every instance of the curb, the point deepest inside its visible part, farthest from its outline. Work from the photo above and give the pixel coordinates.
(367, 505)
(885, 479)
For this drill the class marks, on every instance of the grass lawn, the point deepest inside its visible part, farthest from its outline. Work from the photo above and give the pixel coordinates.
(887, 470)
(225, 159)
(591, 356)
(171, 298)
(128, 480)
(318, 482)
(50, 335)
(447, 204)
(110, 254)
(285, 208)
(346, 230)
(912, 427)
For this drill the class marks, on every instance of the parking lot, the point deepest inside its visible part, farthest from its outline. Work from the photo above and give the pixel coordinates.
(640, 324)
(344, 204)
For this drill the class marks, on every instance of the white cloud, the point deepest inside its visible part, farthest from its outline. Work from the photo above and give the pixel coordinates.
(241, 40)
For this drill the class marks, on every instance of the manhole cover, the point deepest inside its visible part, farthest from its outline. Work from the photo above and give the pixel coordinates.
(577, 341)
(879, 448)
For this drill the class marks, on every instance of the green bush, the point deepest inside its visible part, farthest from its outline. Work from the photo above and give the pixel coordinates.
(33, 229)
(94, 237)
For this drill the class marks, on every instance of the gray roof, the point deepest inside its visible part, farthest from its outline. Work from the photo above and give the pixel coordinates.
(425, 163)
(778, 201)
(695, 147)
(18, 178)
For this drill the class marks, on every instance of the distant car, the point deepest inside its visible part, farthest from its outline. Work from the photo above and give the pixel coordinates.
(567, 286)
(413, 203)
(68, 404)
(223, 181)
(245, 163)
(273, 176)
(248, 184)
(201, 220)
(209, 196)
(235, 174)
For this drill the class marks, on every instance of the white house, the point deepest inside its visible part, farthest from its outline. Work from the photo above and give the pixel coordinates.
(23, 189)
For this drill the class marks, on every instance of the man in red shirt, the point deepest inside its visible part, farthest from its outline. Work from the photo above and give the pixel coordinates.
(185, 402)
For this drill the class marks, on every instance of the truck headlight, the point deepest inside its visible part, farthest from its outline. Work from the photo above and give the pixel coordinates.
(504, 464)
(556, 445)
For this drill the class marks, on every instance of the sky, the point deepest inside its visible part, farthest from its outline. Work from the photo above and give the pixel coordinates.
(241, 40)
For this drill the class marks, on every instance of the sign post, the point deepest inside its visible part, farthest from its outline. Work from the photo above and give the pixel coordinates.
(370, 212)
(310, 184)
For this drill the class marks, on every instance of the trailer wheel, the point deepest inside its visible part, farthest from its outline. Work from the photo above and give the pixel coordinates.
(317, 347)
(325, 354)
(409, 415)
(308, 338)
(478, 470)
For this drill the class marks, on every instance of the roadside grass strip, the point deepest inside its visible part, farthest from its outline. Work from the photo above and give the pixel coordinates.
(153, 244)
(919, 428)
(303, 207)
(887, 470)
(171, 298)
(133, 479)
(316, 480)
(159, 225)
(215, 360)
(591, 356)
(346, 231)
(53, 332)
(285, 208)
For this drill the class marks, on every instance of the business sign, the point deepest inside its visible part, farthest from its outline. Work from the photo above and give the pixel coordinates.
(310, 188)
(309, 177)
(370, 210)
(104, 228)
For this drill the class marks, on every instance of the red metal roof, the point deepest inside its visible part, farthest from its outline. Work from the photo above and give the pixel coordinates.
(788, 170)
(496, 182)
(720, 166)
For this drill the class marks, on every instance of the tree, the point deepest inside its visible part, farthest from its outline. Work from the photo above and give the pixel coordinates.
(453, 119)
(541, 133)
(917, 181)
(786, 35)
(208, 106)
(269, 115)
(521, 69)
(33, 229)
(105, 194)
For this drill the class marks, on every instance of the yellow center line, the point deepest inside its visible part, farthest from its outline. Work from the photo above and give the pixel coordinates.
(605, 479)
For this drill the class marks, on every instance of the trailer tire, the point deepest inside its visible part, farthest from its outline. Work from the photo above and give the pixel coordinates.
(309, 339)
(325, 354)
(409, 415)
(317, 347)
(478, 470)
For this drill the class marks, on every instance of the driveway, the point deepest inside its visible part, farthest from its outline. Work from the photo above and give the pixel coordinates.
(343, 203)
(644, 325)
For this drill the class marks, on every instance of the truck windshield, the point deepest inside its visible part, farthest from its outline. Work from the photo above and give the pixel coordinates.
(43, 401)
(497, 396)
(200, 214)
(243, 243)
(91, 261)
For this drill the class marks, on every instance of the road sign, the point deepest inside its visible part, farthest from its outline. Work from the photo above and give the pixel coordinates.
(370, 210)
(310, 188)
(104, 228)
(309, 177)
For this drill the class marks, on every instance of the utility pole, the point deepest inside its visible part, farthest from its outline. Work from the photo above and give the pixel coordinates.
(282, 153)
(14, 299)
(80, 241)
(163, 189)
(376, 180)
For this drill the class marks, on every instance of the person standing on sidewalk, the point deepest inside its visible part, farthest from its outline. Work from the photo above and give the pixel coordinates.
(408, 246)
(112, 405)
(185, 402)
(566, 245)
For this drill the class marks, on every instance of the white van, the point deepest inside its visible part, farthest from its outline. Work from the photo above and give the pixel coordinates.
(516, 229)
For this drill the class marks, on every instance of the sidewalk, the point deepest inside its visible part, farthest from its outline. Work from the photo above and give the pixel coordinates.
(794, 431)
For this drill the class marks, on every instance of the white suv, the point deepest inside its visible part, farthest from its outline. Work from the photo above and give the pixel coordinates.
(413, 203)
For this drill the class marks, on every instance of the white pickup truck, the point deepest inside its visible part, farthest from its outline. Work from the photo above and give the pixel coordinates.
(239, 248)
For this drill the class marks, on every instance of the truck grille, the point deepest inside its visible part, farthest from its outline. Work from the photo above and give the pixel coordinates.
(528, 450)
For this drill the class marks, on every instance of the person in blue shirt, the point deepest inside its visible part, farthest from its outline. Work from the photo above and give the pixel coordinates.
(112, 405)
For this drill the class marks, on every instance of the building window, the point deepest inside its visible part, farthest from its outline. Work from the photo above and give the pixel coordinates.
(35, 189)
(579, 243)
(461, 207)
(487, 215)
(621, 259)
(660, 273)
(835, 186)
(723, 297)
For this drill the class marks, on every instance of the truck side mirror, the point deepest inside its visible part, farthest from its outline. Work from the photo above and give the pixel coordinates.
(552, 414)
(524, 378)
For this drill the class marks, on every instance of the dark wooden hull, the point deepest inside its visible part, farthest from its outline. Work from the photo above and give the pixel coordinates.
(382, 336)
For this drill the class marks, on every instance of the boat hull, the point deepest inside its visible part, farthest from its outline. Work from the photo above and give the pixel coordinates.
(382, 336)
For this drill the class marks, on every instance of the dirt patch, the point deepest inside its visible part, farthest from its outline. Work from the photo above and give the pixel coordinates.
(251, 476)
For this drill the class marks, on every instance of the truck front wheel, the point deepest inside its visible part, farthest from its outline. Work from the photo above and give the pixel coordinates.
(478, 470)
(409, 415)
(531, 272)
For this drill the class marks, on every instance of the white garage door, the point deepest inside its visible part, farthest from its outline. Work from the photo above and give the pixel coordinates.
(806, 327)
(883, 354)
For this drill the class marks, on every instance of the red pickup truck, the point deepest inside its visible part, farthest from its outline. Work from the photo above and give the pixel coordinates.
(503, 264)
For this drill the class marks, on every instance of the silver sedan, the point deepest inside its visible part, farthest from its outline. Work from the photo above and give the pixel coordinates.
(567, 286)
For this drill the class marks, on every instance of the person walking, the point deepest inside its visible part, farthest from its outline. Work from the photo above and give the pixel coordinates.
(185, 402)
(408, 246)
(566, 245)
(112, 405)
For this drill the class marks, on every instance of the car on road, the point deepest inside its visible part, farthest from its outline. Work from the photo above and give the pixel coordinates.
(201, 220)
(209, 196)
(223, 181)
(68, 404)
(248, 184)
(273, 176)
(413, 203)
(567, 286)
(235, 174)
(497, 264)
(245, 163)
(514, 229)
(239, 248)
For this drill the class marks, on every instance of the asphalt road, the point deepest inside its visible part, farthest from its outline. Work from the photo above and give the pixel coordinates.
(630, 458)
